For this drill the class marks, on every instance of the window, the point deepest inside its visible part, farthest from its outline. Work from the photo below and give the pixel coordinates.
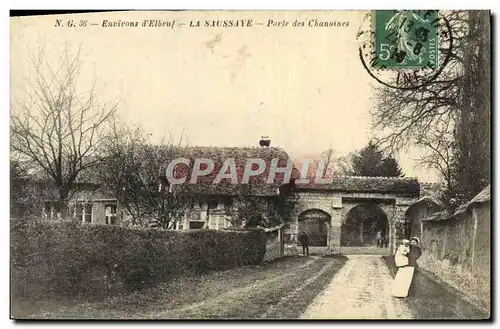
(52, 209)
(88, 213)
(48, 209)
(83, 212)
(79, 211)
(212, 204)
(196, 225)
(228, 205)
(110, 213)
(228, 202)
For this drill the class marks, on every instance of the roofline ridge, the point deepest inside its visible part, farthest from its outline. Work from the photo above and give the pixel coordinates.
(376, 177)
(234, 147)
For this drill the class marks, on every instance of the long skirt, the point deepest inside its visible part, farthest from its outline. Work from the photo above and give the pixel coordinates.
(402, 281)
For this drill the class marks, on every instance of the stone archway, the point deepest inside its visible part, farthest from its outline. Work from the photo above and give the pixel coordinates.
(316, 223)
(362, 222)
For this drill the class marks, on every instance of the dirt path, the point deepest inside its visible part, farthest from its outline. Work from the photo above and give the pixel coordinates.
(360, 290)
(314, 287)
(281, 289)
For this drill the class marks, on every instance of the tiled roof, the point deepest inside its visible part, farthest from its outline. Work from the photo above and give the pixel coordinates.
(402, 186)
(431, 189)
(429, 200)
(405, 186)
(437, 216)
(481, 197)
(258, 184)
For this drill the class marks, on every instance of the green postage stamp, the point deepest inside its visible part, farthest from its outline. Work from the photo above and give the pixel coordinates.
(405, 39)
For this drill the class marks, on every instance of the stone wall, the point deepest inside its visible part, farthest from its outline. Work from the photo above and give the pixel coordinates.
(457, 250)
(274, 244)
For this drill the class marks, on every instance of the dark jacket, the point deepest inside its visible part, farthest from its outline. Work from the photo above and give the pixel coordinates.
(415, 253)
(303, 238)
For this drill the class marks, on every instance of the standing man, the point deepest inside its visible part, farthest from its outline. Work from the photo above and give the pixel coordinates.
(304, 241)
(379, 239)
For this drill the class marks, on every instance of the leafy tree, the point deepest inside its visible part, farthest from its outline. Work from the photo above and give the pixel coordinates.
(371, 161)
(471, 169)
(390, 168)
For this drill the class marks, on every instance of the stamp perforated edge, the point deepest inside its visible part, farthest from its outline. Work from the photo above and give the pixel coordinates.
(403, 68)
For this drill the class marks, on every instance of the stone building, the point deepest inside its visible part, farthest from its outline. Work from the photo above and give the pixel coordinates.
(423, 208)
(323, 209)
(217, 204)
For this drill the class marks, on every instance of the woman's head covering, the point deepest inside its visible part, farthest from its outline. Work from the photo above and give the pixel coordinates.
(406, 241)
(416, 239)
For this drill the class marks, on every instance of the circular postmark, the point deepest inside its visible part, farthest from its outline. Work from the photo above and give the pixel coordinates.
(405, 49)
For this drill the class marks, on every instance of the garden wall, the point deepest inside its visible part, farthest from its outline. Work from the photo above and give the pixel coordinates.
(457, 250)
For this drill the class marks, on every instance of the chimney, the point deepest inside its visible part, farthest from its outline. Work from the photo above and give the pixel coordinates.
(265, 141)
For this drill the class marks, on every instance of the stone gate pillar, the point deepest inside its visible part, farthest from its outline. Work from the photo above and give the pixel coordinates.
(335, 226)
(401, 221)
(396, 216)
(389, 210)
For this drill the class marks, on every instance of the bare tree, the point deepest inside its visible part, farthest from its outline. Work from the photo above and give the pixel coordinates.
(133, 171)
(453, 110)
(331, 164)
(403, 116)
(438, 153)
(59, 128)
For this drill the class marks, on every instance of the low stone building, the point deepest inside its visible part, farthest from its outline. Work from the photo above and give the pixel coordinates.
(214, 206)
(222, 204)
(423, 208)
(88, 204)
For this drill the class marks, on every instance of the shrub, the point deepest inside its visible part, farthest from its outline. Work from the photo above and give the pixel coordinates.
(71, 259)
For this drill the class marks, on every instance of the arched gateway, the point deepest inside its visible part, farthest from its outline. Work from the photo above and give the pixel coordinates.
(316, 224)
(323, 208)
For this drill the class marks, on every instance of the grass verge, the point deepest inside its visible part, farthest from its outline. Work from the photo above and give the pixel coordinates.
(279, 289)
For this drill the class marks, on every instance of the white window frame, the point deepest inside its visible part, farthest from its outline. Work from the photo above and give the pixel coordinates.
(106, 217)
(84, 208)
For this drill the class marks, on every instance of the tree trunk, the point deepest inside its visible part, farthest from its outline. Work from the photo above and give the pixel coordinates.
(63, 211)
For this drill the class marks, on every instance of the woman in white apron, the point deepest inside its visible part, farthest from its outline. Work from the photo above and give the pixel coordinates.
(402, 281)
(406, 261)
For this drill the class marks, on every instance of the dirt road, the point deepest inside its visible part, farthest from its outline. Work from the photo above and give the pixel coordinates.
(313, 287)
(360, 290)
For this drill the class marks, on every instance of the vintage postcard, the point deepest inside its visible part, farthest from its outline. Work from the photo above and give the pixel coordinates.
(251, 165)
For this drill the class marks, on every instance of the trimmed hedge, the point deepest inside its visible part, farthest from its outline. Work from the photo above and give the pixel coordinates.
(71, 259)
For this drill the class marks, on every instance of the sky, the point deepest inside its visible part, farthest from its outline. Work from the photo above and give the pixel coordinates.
(303, 87)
